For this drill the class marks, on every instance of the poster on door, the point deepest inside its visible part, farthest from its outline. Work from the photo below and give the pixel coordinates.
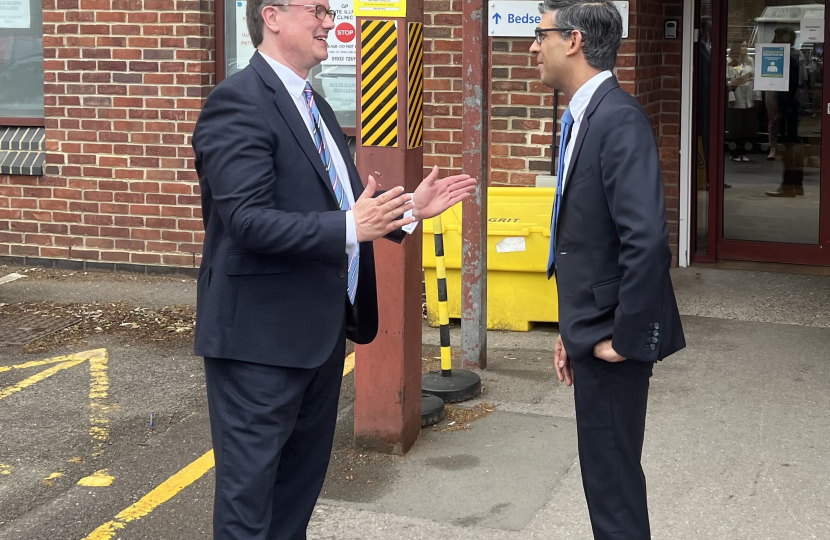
(14, 14)
(772, 67)
(342, 39)
(244, 46)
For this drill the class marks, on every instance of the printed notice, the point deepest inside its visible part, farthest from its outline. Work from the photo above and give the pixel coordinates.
(774, 71)
(380, 8)
(342, 39)
(244, 46)
(14, 14)
(812, 30)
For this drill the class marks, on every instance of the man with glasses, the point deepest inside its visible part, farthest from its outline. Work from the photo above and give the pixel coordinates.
(610, 253)
(287, 271)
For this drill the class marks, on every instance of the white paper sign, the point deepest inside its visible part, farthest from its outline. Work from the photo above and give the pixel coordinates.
(343, 39)
(14, 14)
(812, 30)
(520, 18)
(511, 245)
(772, 66)
(244, 46)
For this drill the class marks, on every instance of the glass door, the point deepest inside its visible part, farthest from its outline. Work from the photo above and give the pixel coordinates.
(762, 190)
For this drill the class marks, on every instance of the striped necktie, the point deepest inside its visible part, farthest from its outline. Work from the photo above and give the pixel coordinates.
(339, 193)
(564, 138)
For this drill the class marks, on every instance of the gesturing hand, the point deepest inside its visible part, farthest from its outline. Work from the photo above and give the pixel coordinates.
(605, 351)
(564, 369)
(375, 217)
(433, 196)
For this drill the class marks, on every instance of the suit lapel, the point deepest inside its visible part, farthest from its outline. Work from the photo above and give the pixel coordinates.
(340, 139)
(288, 110)
(606, 86)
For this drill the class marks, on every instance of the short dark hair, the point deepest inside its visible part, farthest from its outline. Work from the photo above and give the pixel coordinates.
(253, 14)
(599, 22)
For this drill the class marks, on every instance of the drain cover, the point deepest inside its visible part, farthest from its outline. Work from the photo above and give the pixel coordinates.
(22, 329)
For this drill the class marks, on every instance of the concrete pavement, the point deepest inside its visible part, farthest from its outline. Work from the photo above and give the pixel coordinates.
(736, 448)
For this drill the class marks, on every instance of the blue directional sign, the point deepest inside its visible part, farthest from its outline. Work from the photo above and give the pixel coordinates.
(519, 18)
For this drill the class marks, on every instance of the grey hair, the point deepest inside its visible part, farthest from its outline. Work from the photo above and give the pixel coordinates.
(253, 14)
(599, 22)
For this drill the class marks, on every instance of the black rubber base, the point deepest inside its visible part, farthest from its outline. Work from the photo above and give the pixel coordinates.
(461, 386)
(432, 410)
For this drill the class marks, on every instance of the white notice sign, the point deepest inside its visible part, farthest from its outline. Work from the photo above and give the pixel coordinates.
(812, 30)
(342, 40)
(772, 67)
(14, 14)
(520, 18)
(244, 46)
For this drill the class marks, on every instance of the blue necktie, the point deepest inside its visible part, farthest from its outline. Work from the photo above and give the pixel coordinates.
(567, 122)
(342, 200)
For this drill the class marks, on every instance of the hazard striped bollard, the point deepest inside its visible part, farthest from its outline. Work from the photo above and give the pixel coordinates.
(443, 308)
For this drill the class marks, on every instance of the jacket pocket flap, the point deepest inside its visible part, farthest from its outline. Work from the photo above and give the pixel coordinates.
(243, 264)
(607, 294)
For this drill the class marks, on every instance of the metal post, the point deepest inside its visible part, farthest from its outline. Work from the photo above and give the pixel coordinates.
(475, 145)
(389, 147)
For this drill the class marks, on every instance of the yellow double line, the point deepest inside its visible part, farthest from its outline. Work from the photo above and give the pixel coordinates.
(167, 489)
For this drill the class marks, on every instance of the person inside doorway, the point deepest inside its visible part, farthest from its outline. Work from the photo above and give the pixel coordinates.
(741, 113)
(787, 109)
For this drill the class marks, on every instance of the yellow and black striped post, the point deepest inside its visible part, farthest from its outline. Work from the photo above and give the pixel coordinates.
(379, 83)
(415, 111)
(443, 309)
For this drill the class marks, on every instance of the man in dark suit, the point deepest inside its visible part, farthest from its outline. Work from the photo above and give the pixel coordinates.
(287, 272)
(610, 254)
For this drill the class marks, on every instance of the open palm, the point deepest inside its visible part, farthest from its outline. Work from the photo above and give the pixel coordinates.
(434, 196)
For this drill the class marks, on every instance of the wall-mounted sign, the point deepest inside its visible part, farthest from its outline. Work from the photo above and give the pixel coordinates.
(341, 40)
(773, 71)
(380, 8)
(14, 14)
(244, 46)
(519, 18)
(812, 30)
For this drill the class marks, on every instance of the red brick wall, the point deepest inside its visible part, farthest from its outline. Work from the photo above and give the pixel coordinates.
(649, 67)
(125, 80)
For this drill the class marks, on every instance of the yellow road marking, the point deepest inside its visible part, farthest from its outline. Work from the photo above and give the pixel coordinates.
(35, 363)
(169, 488)
(97, 479)
(76, 459)
(349, 366)
(163, 493)
(5, 469)
(50, 480)
(99, 386)
(34, 379)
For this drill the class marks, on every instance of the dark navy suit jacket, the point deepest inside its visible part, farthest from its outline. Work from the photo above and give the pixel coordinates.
(272, 283)
(613, 257)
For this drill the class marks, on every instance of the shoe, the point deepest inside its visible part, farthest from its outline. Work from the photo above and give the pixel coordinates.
(734, 158)
(786, 191)
(727, 186)
(770, 158)
(744, 159)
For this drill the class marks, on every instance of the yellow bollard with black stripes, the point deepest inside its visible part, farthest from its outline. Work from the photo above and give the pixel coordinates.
(443, 308)
(451, 386)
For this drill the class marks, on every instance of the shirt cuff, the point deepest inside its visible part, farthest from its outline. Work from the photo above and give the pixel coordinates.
(351, 233)
(410, 227)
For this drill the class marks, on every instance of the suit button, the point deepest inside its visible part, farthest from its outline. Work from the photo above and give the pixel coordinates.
(655, 333)
(652, 347)
(654, 340)
(341, 274)
(657, 326)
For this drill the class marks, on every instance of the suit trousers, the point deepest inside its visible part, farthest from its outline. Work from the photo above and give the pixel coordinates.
(272, 430)
(611, 401)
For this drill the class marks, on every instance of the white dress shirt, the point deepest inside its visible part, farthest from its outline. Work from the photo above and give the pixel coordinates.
(578, 104)
(296, 88)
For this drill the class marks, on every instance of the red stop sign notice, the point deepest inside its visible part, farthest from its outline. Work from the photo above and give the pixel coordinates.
(344, 32)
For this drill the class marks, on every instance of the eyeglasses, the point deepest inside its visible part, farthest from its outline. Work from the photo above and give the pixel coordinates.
(540, 32)
(320, 10)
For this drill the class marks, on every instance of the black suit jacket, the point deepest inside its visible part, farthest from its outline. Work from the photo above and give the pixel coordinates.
(272, 283)
(613, 257)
